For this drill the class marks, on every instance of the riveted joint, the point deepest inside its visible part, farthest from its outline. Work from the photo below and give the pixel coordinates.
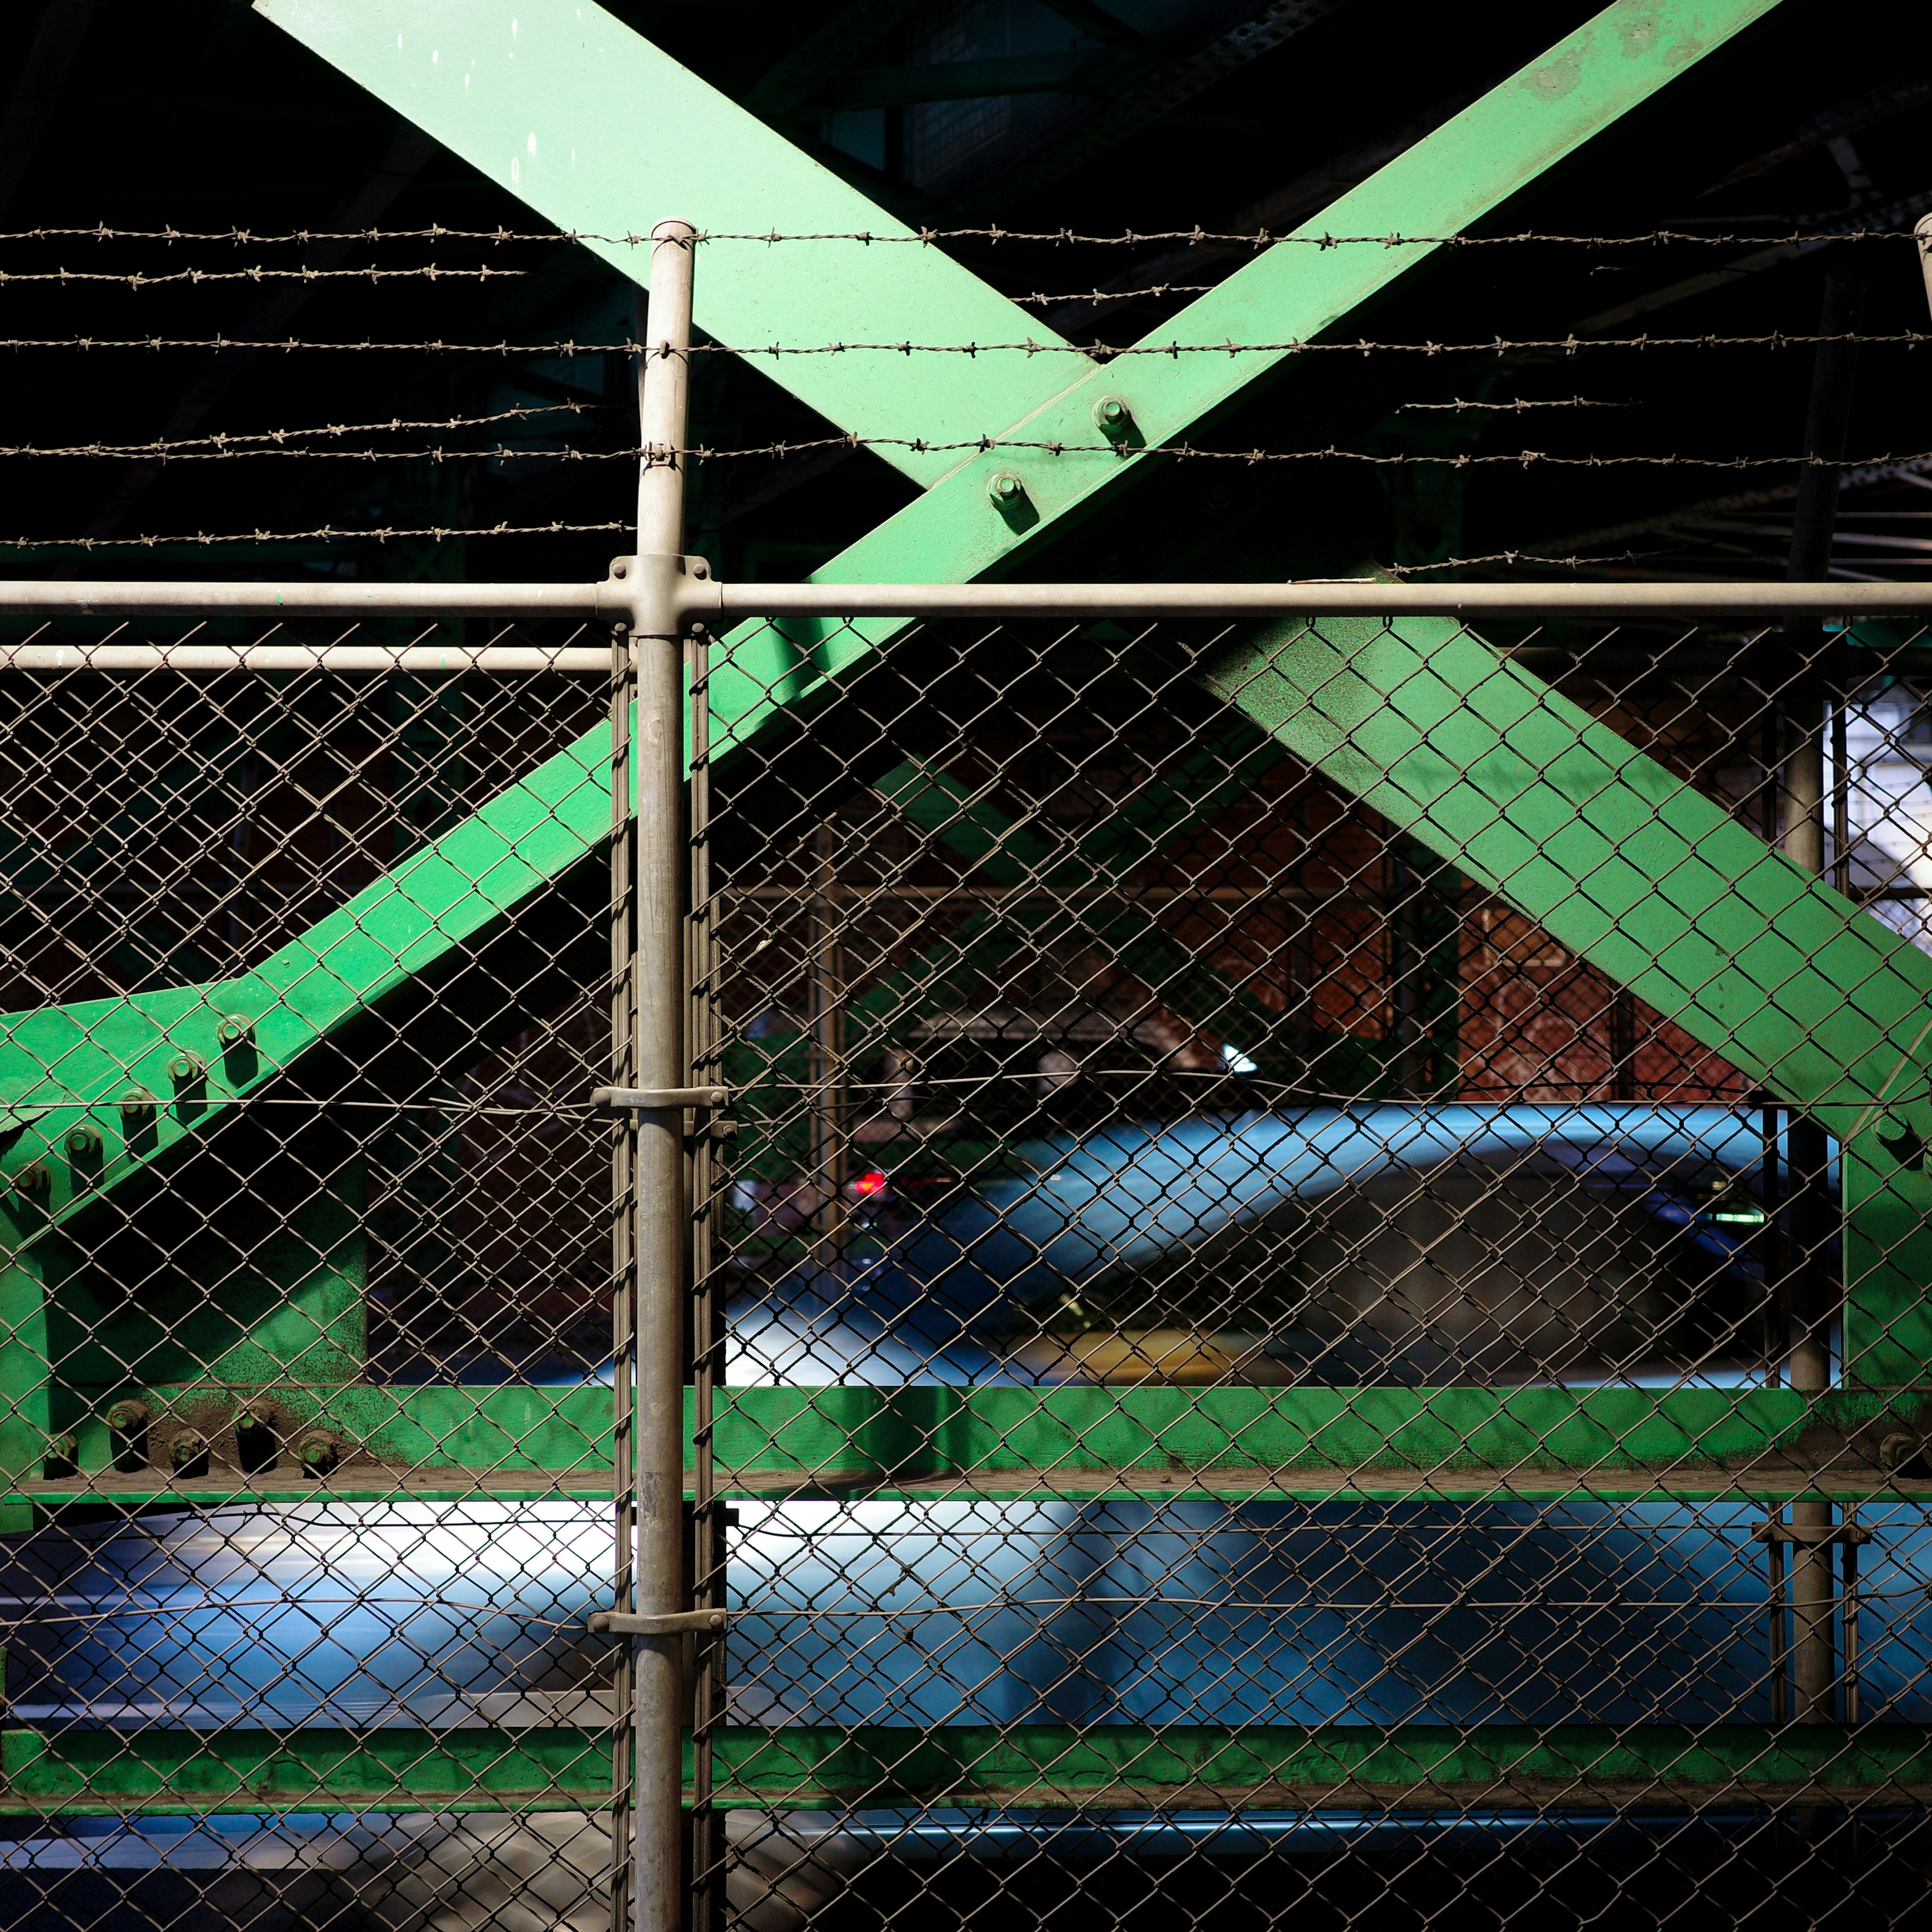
(1007, 492)
(1114, 419)
(1902, 1141)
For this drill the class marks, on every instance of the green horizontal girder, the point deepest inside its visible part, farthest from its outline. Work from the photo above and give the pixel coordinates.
(1128, 1766)
(930, 1442)
(158, 1773)
(92, 1773)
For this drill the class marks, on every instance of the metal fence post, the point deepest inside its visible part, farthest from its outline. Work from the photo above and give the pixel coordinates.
(658, 999)
(1814, 1591)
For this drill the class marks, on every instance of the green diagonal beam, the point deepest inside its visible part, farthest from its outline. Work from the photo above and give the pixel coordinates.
(589, 123)
(82, 1062)
(980, 945)
(564, 55)
(1609, 66)
(1637, 872)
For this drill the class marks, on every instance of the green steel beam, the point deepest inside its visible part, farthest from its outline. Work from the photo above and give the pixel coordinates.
(96, 1774)
(61, 1066)
(1079, 1442)
(1087, 1442)
(91, 1774)
(1211, 1766)
(584, 120)
(1637, 872)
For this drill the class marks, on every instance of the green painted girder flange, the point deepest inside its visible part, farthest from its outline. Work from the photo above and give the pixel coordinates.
(931, 1443)
(162, 1773)
(95, 1774)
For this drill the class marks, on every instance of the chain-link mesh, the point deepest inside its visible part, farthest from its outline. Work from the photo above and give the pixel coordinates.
(1264, 1291)
(308, 1325)
(1276, 1335)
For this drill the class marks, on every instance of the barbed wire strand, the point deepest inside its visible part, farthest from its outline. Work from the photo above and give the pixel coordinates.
(224, 443)
(323, 533)
(137, 279)
(1495, 345)
(1256, 238)
(983, 445)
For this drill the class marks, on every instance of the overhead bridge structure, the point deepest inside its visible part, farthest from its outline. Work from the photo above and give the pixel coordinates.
(931, 1218)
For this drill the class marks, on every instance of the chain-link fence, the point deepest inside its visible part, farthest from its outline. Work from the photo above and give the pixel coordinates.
(1244, 1361)
(1254, 1379)
(308, 1325)
(1262, 1256)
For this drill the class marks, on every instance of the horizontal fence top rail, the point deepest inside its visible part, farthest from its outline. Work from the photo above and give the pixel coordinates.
(497, 658)
(645, 598)
(699, 598)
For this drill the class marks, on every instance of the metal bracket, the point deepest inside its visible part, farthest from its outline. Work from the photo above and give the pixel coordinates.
(1812, 1537)
(642, 591)
(614, 1099)
(632, 1623)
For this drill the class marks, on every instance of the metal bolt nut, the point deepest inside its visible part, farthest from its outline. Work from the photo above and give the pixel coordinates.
(125, 1417)
(138, 1100)
(1112, 417)
(83, 1142)
(1006, 489)
(234, 1030)
(33, 1178)
(190, 1446)
(186, 1067)
(1898, 1449)
(317, 1454)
